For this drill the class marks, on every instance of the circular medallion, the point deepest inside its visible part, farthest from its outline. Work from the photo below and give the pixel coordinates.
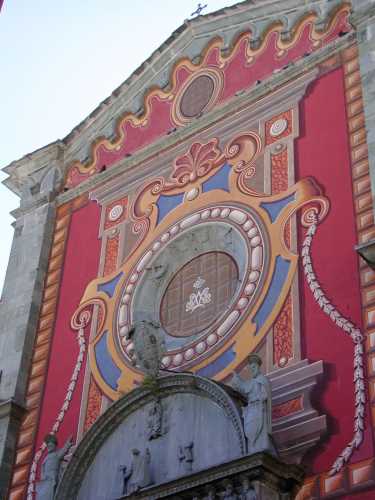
(198, 294)
(278, 127)
(115, 213)
(198, 94)
(197, 279)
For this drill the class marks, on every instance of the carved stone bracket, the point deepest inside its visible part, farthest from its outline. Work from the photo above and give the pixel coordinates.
(296, 425)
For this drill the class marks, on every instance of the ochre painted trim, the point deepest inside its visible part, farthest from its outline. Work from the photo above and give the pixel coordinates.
(359, 475)
(40, 359)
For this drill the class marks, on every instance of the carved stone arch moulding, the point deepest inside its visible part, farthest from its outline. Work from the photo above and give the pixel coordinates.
(209, 189)
(109, 421)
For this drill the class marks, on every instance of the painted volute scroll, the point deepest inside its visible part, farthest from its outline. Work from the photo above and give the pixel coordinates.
(217, 223)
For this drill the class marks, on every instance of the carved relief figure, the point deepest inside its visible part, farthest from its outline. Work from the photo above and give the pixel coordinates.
(49, 477)
(155, 421)
(257, 414)
(139, 473)
(229, 493)
(186, 457)
(247, 491)
(149, 346)
(211, 493)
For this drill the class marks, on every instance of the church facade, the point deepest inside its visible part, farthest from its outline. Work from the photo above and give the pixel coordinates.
(224, 194)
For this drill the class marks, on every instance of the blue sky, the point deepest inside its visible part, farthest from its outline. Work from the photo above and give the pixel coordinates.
(59, 60)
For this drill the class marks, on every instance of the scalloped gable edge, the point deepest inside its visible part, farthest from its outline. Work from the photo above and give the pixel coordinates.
(18, 170)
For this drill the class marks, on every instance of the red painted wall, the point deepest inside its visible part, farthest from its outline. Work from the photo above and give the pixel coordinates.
(80, 266)
(322, 151)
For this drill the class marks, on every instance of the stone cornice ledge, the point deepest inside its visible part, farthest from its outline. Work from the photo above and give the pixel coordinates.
(31, 168)
(257, 467)
(361, 16)
(9, 408)
(367, 252)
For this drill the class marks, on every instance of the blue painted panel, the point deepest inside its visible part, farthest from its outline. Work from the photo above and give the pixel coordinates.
(219, 364)
(167, 203)
(274, 208)
(278, 279)
(218, 181)
(109, 287)
(106, 366)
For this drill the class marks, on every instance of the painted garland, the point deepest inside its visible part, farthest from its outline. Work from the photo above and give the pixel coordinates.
(79, 322)
(347, 327)
(82, 318)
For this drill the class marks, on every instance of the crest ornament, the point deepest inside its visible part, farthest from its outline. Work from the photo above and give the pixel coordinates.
(148, 346)
(249, 226)
(200, 298)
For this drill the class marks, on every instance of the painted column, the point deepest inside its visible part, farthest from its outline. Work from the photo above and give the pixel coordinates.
(364, 20)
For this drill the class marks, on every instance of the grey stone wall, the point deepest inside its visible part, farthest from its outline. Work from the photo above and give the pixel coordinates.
(19, 312)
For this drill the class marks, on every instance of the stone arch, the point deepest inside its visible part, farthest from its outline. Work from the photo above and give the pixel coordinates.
(165, 387)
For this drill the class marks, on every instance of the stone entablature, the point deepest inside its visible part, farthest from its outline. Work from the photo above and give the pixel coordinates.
(268, 478)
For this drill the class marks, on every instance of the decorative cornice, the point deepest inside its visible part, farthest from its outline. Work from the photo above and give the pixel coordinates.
(233, 20)
(362, 16)
(284, 478)
(238, 102)
(213, 56)
(31, 168)
(11, 409)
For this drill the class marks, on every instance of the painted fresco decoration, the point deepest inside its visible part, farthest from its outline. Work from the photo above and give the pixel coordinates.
(348, 328)
(210, 202)
(196, 88)
(210, 186)
(311, 309)
(206, 191)
(200, 297)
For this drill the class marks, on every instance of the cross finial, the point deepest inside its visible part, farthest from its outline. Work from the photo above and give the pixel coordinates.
(199, 9)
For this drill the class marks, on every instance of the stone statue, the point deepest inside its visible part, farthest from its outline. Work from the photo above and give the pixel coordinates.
(229, 493)
(211, 493)
(247, 491)
(186, 457)
(155, 421)
(257, 415)
(49, 476)
(139, 473)
(123, 480)
(149, 346)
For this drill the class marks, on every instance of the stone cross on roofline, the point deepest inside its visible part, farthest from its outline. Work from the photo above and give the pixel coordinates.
(199, 10)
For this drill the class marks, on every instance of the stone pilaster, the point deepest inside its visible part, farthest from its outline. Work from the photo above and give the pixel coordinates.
(19, 312)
